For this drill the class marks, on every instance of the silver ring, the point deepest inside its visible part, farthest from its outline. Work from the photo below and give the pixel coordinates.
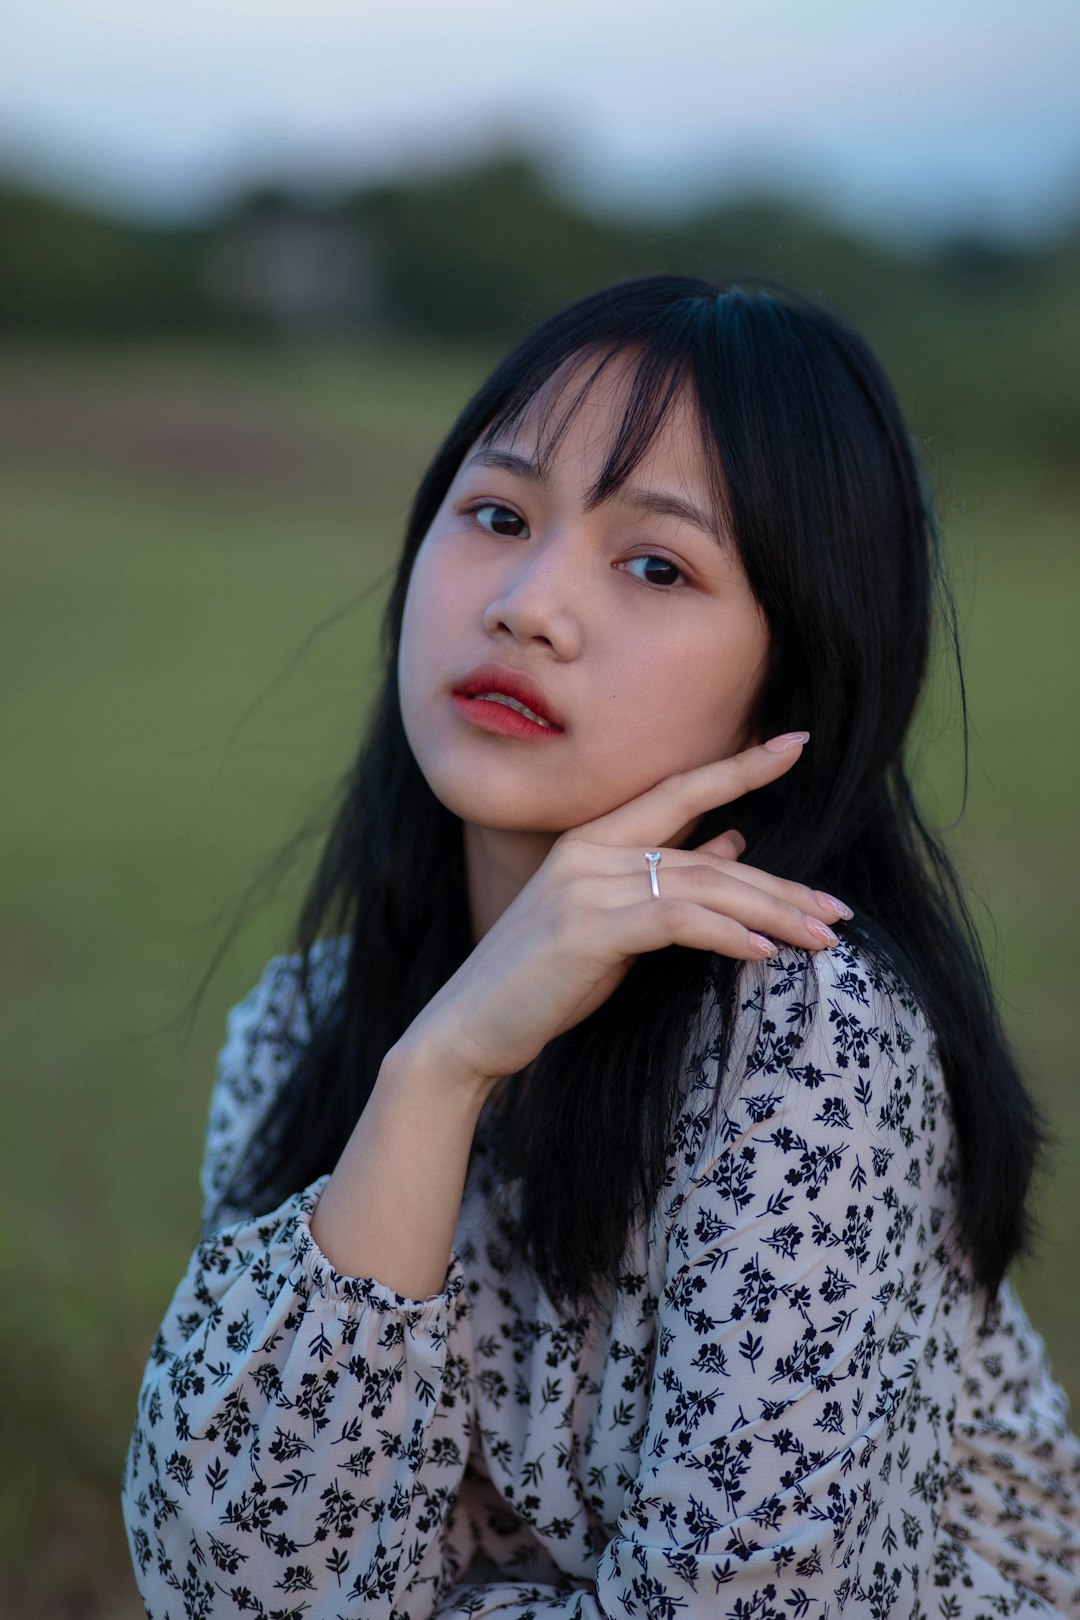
(653, 858)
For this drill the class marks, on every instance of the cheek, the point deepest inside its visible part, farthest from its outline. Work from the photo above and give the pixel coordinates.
(428, 606)
(697, 703)
(419, 589)
(439, 588)
(703, 667)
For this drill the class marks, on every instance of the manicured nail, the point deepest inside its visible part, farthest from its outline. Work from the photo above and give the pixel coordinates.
(765, 946)
(819, 930)
(834, 904)
(790, 739)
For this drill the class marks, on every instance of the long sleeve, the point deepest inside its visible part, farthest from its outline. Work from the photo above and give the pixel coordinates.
(301, 1435)
(798, 1434)
(1014, 1492)
(265, 1034)
(788, 1416)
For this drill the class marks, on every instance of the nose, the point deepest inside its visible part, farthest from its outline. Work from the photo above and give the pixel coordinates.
(541, 597)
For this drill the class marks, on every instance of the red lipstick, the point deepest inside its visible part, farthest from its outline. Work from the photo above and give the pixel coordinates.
(497, 679)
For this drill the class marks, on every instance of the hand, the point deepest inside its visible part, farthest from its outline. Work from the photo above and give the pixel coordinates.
(570, 936)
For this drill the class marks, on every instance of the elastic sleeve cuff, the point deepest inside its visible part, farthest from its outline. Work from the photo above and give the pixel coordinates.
(363, 1291)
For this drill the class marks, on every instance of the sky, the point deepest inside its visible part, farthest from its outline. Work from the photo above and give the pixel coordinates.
(916, 118)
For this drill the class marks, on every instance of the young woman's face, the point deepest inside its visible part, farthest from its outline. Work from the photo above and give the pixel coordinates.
(636, 626)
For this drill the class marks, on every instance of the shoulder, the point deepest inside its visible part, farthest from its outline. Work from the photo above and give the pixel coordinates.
(842, 1008)
(828, 1059)
(266, 1032)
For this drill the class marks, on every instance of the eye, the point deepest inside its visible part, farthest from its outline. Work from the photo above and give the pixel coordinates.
(508, 515)
(666, 562)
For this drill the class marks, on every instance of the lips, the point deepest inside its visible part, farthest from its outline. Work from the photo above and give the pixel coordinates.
(497, 678)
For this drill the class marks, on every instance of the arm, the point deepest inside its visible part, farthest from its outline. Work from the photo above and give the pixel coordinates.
(391, 1206)
(301, 1432)
(798, 1424)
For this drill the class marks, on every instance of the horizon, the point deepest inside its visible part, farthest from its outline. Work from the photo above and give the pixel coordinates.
(927, 122)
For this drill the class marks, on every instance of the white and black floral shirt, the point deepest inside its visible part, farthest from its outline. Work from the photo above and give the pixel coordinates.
(790, 1410)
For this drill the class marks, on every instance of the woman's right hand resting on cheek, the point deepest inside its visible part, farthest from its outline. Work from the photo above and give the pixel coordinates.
(558, 951)
(572, 933)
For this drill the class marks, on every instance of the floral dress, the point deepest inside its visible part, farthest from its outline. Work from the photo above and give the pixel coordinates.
(791, 1406)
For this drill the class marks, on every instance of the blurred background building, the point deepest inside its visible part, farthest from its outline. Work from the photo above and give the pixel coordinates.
(253, 260)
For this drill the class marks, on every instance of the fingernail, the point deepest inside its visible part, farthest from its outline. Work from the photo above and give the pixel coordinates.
(765, 946)
(834, 904)
(819, 930)
(790, 739)
(737, 839)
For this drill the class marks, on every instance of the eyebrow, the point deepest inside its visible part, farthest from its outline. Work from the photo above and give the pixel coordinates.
(644, 500)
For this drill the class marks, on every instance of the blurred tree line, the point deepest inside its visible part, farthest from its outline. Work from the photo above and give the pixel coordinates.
(982, 336)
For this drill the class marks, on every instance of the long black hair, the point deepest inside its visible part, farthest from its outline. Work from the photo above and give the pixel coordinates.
(822, 485)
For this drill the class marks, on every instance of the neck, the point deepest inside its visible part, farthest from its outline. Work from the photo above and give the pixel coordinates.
(498, 864)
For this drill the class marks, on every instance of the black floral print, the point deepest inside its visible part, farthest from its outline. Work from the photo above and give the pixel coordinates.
(791, 1406)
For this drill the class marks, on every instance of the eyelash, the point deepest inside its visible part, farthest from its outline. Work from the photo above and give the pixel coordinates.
(501, 506)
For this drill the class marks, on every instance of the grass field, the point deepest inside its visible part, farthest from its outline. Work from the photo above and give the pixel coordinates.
(176, 527)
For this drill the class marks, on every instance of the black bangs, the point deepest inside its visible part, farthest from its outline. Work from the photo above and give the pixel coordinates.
(667, 370)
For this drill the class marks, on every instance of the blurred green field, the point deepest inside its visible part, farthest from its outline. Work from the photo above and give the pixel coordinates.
(177, 525)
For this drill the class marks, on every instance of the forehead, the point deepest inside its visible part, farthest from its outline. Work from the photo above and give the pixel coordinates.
(616, 412)
(618, 425)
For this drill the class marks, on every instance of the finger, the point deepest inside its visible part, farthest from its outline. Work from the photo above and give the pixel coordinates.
(814, 901)
(652, 924)
(727, 846)
(752, 907)
(656, 815)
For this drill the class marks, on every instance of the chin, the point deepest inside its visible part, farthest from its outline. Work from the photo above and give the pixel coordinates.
(502, 809)
(482, 810)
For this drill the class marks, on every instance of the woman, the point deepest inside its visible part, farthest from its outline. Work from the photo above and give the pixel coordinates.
(588, 1229)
